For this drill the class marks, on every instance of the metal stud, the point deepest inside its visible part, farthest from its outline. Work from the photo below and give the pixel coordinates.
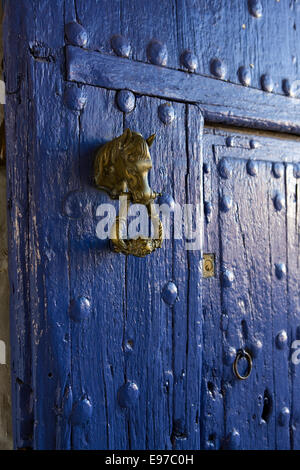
(169, 293)
(233, 440)
(157, 52)
(296, 170)
(230, 141)
(74, 204)
(255, 8)
(267, 83)
(278, 169)
(281, 339)
(280, 270)
(225, 203)
(229, 355)
(284, 416)
(279, 202)
(166, 200)
(244, 75)
(218, 68)
(75, 98)
(254, 144)
(206, 168)
(166, 113)
(128, 394)
(76, 34)
(207, 208)
(227, 278)
(125, 101)
(255, 347)
(252, 167)
(80, 309)
(288, 87)
(120, 45)
(225, 168)
(82, 412)
(189, 60)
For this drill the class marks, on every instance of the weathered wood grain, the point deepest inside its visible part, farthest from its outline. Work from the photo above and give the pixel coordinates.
(219, 101)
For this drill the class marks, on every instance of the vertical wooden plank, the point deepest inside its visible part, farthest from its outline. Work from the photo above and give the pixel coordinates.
(289, 418)
(247, 298)
(194, 196)
(278, 268)
(149, 319)
(16, 123)
(215, 321)
(97, 293)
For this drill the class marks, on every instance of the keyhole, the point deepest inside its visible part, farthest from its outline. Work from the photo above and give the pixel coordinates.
(267, 408)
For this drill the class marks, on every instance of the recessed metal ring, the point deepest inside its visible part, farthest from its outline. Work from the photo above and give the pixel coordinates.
(239, 355)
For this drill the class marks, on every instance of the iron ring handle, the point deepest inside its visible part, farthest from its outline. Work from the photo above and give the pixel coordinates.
(239, 355)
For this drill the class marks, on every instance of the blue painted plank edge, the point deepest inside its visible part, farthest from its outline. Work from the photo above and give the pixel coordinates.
(220, 101)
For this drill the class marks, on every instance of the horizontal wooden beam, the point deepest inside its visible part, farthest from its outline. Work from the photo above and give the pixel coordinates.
(220, 101)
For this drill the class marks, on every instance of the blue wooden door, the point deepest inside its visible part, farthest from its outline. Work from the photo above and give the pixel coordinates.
(116, 352)
(251, 200)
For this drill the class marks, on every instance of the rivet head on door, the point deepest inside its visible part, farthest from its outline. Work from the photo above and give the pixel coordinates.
(233, 440)
(255, 8)
(225, 168)
(225, 203)
(76, 34)
(125, 101)
(169, 293)
(244, 76)
(281, 339)
(267, 83)
(128, 394)
(284, 416)
(207, 209)
(75, 98)
(227, 278)
(278, 169)
(80, 309)
(82, 412)
(218, 68)
(121, 46)
(189, 60)
(288, 87)
(280, 270)
(157, 52)
(252, 167)
(229, 355)
(254, 144)
(255, 347)
(166, 201)
(279, 202)
(297, 170)
(166, 113)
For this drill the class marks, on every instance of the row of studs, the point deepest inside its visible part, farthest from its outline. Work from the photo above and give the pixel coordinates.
(157, 54)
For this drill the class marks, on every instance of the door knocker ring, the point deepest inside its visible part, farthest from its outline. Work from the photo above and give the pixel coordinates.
(121, 168)
(239, 355)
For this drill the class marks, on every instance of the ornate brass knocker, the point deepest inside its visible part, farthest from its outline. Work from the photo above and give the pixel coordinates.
(121, 169)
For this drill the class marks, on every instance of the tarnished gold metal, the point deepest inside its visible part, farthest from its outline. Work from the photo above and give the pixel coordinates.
(121, 169)
(239, 355)
(208, 265)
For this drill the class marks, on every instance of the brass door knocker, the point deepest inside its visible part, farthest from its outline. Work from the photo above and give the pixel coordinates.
(121, 169)
(239, 355)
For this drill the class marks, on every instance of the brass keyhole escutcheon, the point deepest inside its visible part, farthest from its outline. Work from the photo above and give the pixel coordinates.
(208, 265)
(121, 169)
